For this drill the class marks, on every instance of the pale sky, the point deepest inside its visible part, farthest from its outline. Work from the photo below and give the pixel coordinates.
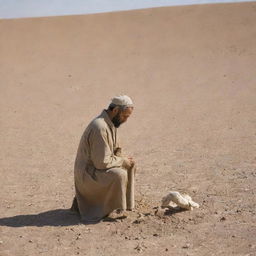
(41, 8)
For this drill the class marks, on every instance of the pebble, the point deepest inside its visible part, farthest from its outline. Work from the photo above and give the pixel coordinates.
(138, 221)
(140, 247)
(160, 212)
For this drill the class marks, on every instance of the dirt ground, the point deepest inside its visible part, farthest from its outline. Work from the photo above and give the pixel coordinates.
(191, 73)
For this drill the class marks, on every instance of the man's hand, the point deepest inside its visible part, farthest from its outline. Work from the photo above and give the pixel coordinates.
(128, 162)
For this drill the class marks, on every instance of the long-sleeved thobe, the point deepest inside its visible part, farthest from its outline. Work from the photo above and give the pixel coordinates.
(100, 180)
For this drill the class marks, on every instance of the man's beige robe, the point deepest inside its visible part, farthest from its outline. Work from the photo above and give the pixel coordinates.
(100, 181)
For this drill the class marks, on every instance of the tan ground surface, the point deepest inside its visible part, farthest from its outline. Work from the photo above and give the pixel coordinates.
(191, 72)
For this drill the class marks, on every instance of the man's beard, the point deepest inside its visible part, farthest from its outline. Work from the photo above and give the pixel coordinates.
(116, 120)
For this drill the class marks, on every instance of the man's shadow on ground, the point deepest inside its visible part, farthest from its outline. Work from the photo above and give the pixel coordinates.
(58, 217)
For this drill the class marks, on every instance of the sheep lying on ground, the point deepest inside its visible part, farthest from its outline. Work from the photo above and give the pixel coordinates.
(174, 199)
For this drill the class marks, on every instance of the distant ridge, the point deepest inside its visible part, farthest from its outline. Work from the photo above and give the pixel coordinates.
(29, 8)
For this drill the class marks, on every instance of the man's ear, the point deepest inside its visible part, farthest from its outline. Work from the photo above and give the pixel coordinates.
(115, 110)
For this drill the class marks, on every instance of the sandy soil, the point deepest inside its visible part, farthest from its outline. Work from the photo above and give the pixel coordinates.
(191, 73)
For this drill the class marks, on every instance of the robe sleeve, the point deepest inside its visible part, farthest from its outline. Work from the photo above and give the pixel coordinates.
(101, 155)
(118, 144)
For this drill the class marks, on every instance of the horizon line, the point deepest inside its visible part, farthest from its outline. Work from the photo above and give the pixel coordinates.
(15, 9)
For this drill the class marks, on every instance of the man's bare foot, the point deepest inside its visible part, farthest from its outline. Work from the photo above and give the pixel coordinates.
(117, 215)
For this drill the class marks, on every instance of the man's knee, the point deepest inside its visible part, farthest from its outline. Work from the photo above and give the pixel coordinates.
(119, 174)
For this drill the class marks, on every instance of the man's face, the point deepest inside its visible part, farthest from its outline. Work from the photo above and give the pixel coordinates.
(121, 116)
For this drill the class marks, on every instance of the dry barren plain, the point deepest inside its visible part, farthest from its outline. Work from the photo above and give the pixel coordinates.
(191, 72)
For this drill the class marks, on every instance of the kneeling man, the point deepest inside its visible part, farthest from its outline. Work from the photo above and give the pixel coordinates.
(103, 177)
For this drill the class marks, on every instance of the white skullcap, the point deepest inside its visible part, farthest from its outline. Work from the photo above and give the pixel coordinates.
(122, 100)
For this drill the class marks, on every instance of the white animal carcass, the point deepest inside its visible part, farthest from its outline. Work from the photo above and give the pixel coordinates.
(174, 199)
